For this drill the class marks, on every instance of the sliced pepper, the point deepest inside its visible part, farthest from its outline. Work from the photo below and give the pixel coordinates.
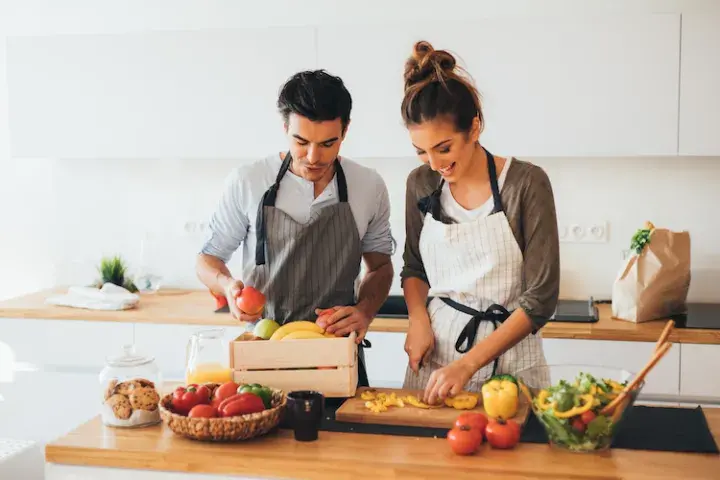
(579, 410)
(542, 402)
(464, 401)
(500, 398)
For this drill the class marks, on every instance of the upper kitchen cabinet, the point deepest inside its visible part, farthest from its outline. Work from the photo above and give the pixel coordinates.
(169, 94)
(700, 85)
(551, 86)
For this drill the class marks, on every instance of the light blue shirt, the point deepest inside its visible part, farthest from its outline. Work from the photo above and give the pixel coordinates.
(232, 225)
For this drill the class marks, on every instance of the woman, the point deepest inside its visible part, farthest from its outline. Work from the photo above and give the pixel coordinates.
(481, 231)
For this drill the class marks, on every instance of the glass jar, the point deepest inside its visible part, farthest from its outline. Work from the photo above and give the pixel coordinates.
(208, 358)
(130, 386)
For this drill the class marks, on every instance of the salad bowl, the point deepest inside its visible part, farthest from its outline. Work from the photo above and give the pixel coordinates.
(581, 407)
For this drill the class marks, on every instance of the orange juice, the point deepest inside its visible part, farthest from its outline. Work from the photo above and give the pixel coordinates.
(209, 373)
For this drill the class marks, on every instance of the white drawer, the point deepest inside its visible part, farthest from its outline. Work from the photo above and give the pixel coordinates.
(66, 343)
(664, 379)
(698, 366)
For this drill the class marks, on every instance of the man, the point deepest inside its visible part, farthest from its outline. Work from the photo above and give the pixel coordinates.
(305, 219)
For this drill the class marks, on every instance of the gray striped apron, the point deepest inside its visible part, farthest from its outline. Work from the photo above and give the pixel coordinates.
(304, 266)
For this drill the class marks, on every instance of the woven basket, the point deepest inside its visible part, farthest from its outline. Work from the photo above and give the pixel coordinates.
(224, 429)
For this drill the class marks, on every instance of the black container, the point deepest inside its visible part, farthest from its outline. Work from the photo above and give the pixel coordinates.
(304, 413)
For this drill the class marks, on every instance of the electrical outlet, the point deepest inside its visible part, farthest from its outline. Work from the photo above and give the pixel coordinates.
(595, 232)
(191, 227)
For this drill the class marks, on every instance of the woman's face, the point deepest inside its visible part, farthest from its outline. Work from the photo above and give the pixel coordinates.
(446, 150)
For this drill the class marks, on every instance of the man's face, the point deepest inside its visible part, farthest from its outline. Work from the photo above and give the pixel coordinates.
(314, 146)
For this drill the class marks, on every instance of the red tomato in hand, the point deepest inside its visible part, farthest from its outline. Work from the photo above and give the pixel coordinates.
(227, 389)
(587, 417)
(502, 433)
(251, 301)
(202, 411)
(242, 405)
(478, 421)
(464, 440)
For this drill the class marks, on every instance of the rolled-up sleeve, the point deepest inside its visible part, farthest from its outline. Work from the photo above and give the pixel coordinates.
(378, 236)
(229, 223)
(541, 265)
(412, 261)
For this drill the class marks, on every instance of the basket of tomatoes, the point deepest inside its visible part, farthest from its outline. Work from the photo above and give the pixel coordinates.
(222, 412)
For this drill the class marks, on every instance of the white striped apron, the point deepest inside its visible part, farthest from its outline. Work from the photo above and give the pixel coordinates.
(477, 264)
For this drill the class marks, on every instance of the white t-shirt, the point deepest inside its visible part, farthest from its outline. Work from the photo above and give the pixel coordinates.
(232, 225)
(460, 214)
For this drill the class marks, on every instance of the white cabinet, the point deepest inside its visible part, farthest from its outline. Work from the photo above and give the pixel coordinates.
(663, 380)
(68, 344)
(552, 86)
(699, 378)
(699, 81)
(164, 94)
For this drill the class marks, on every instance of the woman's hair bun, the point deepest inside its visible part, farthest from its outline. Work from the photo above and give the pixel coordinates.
(427, 64)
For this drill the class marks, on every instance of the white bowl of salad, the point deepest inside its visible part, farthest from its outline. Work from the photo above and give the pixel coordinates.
(568, 400)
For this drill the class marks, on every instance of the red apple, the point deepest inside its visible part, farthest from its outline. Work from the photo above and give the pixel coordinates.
(250, 301)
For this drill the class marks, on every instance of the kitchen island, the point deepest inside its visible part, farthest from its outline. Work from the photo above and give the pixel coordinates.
(197, 307)
(95, 451)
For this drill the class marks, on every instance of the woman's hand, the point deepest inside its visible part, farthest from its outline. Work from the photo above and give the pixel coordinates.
(448, 381)
(419, 341)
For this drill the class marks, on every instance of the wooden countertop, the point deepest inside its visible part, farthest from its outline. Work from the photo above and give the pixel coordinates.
(352, 455)
(197, 307)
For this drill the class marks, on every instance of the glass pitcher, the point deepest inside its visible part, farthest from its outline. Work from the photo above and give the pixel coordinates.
(208, 358)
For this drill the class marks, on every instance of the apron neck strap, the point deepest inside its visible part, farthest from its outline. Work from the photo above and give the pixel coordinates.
(270, 196)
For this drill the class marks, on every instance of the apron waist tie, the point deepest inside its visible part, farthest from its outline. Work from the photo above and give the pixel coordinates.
(495, 314)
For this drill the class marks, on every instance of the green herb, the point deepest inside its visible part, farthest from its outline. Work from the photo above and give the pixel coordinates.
(640, 239)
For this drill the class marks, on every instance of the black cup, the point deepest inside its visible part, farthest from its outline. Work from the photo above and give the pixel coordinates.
(305, 412)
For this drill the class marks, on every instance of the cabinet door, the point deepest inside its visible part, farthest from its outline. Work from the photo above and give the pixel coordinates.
(663, 380)
(700, 77)
(68, 344)
(182, 94)
(552, 86)
(699, 378)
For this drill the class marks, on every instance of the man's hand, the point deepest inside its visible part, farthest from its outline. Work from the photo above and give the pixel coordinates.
(343, 320)
(448, 381)
(233, 289)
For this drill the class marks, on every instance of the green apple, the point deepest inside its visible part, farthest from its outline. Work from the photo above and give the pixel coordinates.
(265, 328)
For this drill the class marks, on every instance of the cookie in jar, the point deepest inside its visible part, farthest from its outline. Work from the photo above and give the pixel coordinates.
(130, 390)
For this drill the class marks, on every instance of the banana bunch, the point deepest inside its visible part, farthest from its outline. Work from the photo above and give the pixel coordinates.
(300, 330)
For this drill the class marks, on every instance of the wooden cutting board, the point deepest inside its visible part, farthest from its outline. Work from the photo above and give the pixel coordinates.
(354, 410)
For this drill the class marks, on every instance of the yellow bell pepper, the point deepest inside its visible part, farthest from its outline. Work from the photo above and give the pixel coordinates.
(500, 398)
(579, 410)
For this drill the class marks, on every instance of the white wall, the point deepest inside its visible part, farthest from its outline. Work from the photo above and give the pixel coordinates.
(59, 216)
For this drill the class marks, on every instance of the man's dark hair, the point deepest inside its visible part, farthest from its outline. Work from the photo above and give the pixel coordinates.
(316, 95)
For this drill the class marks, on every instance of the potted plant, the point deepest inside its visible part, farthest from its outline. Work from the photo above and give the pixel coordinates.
(114, 270)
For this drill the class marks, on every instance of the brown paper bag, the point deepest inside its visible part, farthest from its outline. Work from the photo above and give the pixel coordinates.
(654, 283)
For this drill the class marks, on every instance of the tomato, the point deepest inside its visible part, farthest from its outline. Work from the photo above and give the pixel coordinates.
(202, 411)
(476, 420)
(464, 440)
(185, 398)
(227, 389)
(242, 405)
(587, 417)
(502, 433)
(250, 301)
(578, 424)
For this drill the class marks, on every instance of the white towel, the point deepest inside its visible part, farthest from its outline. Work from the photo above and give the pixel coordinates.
(109, 297)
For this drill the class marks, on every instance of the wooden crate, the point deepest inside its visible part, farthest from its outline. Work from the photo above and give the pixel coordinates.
(328, 365)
